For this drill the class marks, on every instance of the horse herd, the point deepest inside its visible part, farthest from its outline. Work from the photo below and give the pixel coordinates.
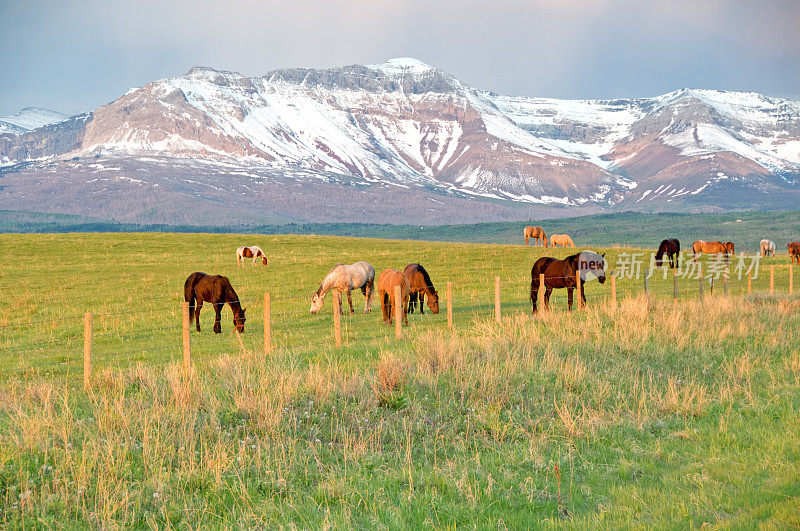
(415, 282)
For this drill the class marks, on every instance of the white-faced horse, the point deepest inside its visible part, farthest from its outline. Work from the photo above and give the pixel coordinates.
(253, 252)
(345, 278)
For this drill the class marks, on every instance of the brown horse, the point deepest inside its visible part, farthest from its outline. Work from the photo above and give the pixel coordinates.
(794, 252)
(537, 233)
(671, 248)
(730, 248)
(421, 285)
(561, 274)
(700, 247)
(562, 240)
(387, 280)
(217, 290)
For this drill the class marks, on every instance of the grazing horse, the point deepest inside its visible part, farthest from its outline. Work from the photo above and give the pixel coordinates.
(217, 290)
(700, 247)
(767, 247)
(794, 252)
(253, 252)
(345, 278)
(537, 233)
(387, 280)
(562, 240)
(561, 274)
(421, 285)
(672, 249)
(730, 248)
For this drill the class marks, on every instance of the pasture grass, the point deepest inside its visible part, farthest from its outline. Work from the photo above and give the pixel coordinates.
(646, 414)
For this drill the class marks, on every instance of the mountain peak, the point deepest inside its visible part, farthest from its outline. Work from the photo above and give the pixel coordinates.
(408, 62)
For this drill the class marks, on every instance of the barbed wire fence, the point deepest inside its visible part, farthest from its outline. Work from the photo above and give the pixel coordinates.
(116, 335)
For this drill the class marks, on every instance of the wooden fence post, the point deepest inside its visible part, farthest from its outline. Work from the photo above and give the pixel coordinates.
(88, 322)
(725, 283)
(398, 312)
(187, 350)
(700, 277)
(613, 290)
(337, 318)
(497, 299)
(267, 323)
(578, 288)
(791, 280)
(449, 304)
(749, 282)
(647, 281)
(675, 285)
(772, 279)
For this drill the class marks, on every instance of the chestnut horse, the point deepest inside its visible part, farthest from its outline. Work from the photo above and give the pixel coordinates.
(561, 239)
(387, 280)
(794, 252)
(672, 249)
(561, 274)
(537, 233)
(345, 278)
(700, 247)
(253, 252)
(730, 248)
(421, 285)
(217, 290)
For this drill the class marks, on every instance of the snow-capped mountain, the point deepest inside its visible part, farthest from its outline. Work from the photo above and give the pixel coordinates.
(30, 118)
(407, 125)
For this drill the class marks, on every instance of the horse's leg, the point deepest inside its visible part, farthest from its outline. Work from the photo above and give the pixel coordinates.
(405, 310)
(534, 295)
(547, 292)
(412, 301)
(218, 318)
(421, 302)
(350, 300)
(569, 298)
(197, 308)
(583, 292)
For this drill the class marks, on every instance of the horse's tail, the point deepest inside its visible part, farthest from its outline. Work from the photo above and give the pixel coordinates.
(189, 294)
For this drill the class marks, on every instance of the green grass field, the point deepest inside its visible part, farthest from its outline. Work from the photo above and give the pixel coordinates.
(649, 413)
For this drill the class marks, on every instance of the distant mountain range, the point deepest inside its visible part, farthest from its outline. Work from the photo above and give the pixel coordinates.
(399, 142)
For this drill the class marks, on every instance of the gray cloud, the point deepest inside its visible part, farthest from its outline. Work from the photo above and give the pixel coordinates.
(74, 56)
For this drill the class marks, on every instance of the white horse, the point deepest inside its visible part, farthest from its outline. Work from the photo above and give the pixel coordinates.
(343, 277)
(250, 252)
(767, 248)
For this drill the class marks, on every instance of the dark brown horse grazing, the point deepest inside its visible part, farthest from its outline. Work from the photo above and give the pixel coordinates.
(421, 285)
(672, 249)
(387, 280)
(561, 274)
(217, 290)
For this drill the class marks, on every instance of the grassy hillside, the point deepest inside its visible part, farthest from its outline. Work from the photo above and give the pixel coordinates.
(649, 413)
(636, 229)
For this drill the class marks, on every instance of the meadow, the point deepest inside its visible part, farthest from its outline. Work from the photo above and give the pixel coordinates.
(647, 413)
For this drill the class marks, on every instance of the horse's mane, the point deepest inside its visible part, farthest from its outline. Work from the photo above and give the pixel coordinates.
(427, 278)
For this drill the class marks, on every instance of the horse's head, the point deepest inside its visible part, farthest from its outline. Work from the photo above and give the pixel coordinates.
(590, 262)
(239, 319)
(316, 303)
(433, 302)
(546, 243)
(264, 259)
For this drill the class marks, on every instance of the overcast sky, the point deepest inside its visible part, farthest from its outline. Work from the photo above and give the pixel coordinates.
(73, 56)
